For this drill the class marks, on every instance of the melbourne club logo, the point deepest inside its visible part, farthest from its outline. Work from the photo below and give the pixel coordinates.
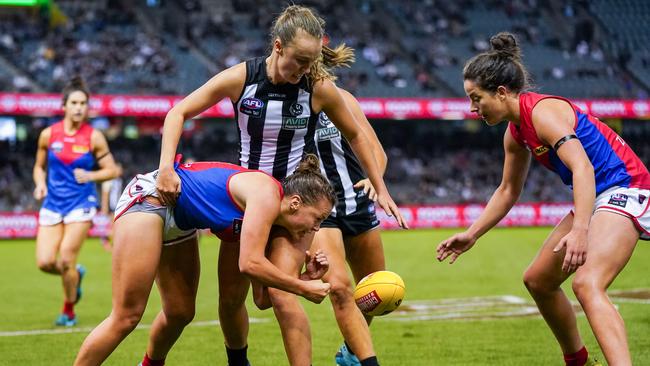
(618, 199)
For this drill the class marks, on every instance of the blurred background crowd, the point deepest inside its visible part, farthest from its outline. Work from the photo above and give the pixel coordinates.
(574, 48)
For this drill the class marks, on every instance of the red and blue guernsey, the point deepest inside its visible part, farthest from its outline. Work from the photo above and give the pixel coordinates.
(65, 154)
(614, 162)
(205, 201)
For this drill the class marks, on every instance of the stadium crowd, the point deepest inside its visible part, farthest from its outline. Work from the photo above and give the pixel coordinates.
(124, 47)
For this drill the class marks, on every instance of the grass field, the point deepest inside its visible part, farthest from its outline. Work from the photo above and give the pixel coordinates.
(433, 331)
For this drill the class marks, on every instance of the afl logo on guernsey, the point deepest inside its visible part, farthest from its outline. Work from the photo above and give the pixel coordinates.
(251, 107)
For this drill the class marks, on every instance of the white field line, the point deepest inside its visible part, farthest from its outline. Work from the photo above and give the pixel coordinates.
(469, 308)
(66, 330)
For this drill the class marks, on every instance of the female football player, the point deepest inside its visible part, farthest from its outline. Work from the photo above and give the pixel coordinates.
(610, 186)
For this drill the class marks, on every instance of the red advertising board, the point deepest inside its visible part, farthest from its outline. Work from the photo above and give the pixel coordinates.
(25, 225)
(381, 108)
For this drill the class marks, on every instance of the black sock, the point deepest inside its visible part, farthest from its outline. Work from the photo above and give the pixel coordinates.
(348, 347)
(370, 361)
(237, 357)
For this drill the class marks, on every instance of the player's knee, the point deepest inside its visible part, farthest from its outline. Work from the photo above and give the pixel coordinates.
(341, 290)
(283, 301)
(180, 316)
(67, 262)
(127, 319)
(584, 287)
(535, 284)
(231, 301)
(46, 265)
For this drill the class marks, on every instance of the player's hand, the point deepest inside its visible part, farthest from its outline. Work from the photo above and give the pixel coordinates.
(82, 176)
(316, 265)
(315, 290)
(367, 187)
(455, 246)
(386, 202)
(576, 249)
(40, 192)
(168, 185)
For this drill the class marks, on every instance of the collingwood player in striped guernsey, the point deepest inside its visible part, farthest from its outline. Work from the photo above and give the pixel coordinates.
(277, 101)
(350, 232)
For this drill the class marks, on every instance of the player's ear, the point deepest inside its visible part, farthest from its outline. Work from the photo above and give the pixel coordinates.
(295, 201)
(277, 46)
(502, 92)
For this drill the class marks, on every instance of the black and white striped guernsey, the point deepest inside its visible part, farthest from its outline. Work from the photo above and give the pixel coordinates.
(276, 122)
(340, 165)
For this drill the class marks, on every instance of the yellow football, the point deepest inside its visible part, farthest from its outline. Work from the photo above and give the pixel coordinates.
(379, 293)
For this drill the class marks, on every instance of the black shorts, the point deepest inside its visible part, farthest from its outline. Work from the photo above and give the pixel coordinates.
(356, 223)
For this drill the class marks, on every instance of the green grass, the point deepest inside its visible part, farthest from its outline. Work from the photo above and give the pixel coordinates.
(31, 300)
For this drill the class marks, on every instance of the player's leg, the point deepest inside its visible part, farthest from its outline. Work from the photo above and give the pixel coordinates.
(48, 241)
(543, 279)
(233, 316)
(136, 254)
(351, 322)
(612, 239)
(177, 281)
(365, 254)
(289, 256)
(74, 234)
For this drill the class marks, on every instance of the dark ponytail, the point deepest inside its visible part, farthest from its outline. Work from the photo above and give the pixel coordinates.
(75, 84)
(500, 66)
(308, 182)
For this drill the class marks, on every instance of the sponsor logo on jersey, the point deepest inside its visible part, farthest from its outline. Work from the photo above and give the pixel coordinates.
(277, 95)
(618, 199)
(327, 130)
(57, 146)
(540, 150)
(295, 109)
(251, 107)
(80, 149)
(294, 123)
(642, 199)
(327, 133)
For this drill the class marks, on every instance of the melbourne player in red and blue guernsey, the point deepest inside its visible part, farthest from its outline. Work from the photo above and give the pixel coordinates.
(69, 150)
(611, 189)
(157, 242)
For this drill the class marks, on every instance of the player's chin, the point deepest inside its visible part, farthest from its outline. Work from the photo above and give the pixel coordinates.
(490, 121)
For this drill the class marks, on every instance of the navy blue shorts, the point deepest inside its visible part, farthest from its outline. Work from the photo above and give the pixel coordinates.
(356, 223)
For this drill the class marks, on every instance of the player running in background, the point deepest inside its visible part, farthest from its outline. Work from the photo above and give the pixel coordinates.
(611, 192)
(277, 100)
(67, 153)
(236, 204)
